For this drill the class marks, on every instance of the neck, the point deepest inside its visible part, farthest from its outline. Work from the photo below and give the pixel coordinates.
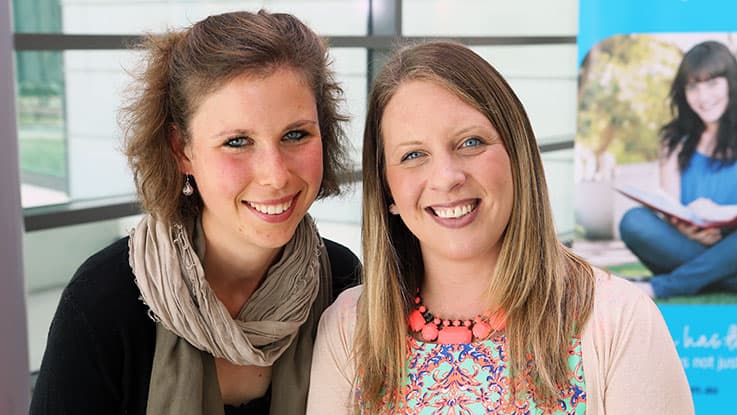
(711, 128)
(708, 139)
(233, 269)
(457, 289)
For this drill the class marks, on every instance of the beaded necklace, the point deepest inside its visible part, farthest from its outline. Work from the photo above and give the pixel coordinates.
(445, 331)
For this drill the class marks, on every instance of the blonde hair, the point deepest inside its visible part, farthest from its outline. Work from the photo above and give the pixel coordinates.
(180, 67)
(547, 295)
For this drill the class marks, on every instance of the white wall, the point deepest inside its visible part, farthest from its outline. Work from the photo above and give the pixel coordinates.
(491, 17)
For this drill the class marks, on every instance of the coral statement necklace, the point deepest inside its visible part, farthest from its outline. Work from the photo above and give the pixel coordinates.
(445, 331)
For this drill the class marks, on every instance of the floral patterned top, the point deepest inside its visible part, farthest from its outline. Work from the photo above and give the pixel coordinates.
(473, 378)
(624, 345)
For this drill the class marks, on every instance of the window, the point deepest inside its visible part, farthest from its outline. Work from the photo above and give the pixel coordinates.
(71, 70)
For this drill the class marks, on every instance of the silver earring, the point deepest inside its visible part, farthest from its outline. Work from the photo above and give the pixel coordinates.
(393, 209)
(187, 190)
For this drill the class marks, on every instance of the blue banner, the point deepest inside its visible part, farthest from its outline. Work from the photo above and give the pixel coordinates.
(706, 340)
(630, 55)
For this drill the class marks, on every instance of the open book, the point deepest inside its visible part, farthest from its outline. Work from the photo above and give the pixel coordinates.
(664, 203)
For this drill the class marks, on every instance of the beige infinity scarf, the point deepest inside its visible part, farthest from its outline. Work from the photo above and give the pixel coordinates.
(277, 322)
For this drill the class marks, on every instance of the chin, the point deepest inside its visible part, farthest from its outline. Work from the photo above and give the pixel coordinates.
(462, 251)
(278, 239)
(273, 243)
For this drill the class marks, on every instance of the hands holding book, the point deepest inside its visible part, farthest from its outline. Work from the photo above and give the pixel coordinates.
(709, 211)
(704, 236)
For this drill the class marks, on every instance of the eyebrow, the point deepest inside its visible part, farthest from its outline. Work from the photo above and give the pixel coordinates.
(408, 143)
(249, 133)
(474, 127)
(231, 133)
(301, 123)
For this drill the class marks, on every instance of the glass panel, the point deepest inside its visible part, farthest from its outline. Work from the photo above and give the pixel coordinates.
(489, 18)
(544, 78)
(350, 66)
(339, 218)
(137, 16)
(95, 81)
(68, 135)
(37, 16)
(559, 175)
(41, 128)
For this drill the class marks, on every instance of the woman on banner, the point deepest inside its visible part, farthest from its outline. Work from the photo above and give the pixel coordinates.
(469, 302)
(212, 304)
(698, 167)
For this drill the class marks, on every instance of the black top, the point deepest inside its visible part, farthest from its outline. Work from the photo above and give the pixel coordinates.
(101, 342)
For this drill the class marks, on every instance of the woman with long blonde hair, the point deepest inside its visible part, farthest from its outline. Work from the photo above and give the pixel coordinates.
(469, 303)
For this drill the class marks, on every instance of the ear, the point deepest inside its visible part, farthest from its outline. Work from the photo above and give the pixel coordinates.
(393, 209)
(180, 149)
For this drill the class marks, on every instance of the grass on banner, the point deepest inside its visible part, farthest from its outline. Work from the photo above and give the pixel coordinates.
(636, 269)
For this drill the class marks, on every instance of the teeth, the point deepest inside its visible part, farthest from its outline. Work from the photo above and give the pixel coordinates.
(271, 209)
(454, 212)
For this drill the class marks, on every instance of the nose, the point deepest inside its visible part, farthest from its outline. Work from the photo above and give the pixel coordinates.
(700, 90)
(447, 173)
(272, 168)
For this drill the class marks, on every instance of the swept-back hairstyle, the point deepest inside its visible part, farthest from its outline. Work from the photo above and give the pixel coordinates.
(181, 67)
(547, 291)
(702, 62)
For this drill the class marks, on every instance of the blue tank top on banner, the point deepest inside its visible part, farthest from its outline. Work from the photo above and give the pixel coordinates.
(705, 178)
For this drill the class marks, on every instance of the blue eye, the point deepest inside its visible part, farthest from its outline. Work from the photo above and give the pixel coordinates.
(236, 142)
(411, 155)
(472, 142)
(295, 135)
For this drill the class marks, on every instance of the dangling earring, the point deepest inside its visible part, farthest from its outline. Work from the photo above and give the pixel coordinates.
(187, 190)
(393, 209)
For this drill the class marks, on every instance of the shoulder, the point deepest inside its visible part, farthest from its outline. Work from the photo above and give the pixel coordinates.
(112, 258)
(614, 291)
(335, 334)
(103, 300)
(333, 368)
(104, 273)
(344, 266)
(619, 303)
(344, 307)
(625, 321)
(339, 319)
(104, 288)
(100, 343)
(629, 357)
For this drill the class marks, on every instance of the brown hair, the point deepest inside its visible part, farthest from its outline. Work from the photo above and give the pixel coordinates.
(547, 295)
(180, 67)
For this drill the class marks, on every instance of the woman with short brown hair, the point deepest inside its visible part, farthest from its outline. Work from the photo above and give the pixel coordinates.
(211, 305)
